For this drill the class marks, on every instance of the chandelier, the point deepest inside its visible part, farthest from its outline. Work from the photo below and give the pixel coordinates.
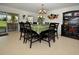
(42, 10)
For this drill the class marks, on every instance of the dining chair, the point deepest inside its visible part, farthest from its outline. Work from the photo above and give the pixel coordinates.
(47, 35)
(56, 30)
(29, 34)
(55, 26)
(52, 28)
(21, 29)
(27, 26)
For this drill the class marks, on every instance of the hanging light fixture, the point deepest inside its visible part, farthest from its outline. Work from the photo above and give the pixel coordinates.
(42, 10)
(41, 14)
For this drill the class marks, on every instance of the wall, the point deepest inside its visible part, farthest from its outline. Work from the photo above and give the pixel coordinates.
(60, 13)
(56, 11)
(17, 11)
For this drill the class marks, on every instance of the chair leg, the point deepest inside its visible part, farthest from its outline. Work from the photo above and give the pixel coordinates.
(54, 39)
(57, 35)
(31, 43)
(39, 40)
(24, 39)
(20, 36)
(49, 42)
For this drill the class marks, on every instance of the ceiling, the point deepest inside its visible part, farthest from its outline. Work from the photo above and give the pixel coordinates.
(34, 7)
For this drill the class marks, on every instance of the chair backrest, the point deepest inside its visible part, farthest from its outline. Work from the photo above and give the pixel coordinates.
(56, 25)
(21, 26)
(27, 25)
(52, 26)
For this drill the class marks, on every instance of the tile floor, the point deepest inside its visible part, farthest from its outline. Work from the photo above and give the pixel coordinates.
(11, 45)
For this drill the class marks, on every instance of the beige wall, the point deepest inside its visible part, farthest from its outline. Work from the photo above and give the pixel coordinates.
(56, 11)
(14, 10)
(60, 13)
(18, 11)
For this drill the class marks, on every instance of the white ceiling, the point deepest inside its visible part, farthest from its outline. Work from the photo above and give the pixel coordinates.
(34, 7)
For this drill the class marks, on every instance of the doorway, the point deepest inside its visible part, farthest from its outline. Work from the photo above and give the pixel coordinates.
(12, 22)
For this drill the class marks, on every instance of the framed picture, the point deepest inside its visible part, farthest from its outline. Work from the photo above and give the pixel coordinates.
(76, 14)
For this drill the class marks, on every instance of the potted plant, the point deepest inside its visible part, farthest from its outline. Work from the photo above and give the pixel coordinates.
(13, 18)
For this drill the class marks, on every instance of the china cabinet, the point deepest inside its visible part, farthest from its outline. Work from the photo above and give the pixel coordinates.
(70, 26)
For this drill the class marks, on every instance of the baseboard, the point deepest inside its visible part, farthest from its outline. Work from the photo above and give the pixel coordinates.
(3, 34)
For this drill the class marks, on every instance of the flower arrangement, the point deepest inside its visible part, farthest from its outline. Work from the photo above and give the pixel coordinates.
(40, 20)
(52, 16)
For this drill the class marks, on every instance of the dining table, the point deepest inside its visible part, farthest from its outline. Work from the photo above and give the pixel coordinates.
(40, 27)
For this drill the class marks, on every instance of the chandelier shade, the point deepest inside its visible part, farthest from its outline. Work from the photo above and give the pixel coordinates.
(42, 10)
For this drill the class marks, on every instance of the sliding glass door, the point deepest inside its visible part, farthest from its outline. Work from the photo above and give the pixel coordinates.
(8, 22)
(3, 23)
